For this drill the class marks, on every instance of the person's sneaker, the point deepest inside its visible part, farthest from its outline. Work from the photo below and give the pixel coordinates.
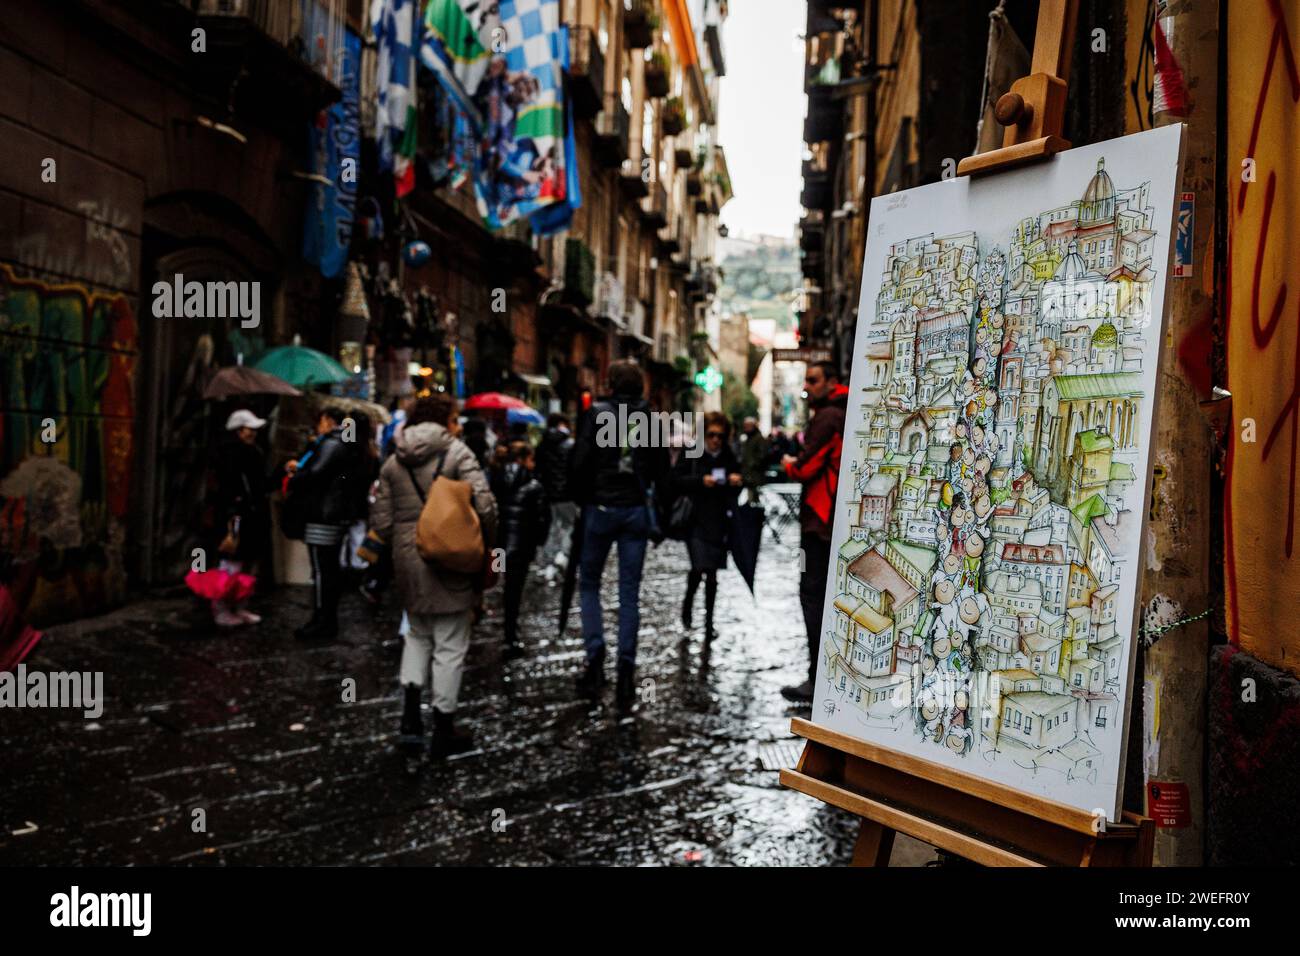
(800, 694)
(447, 738)
(248, 617)
(410, 734)
(227, 619)
(592, 679)
(512, 650)
(624, 689)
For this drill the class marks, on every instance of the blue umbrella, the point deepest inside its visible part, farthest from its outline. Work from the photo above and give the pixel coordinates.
(526, 416)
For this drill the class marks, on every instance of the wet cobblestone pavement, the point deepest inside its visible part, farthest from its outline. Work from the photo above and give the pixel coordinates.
(251, 728)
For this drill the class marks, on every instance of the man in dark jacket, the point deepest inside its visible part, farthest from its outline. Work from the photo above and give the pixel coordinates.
(817, 468)
(326, 476)
(553, 454)
(525, 520)
(613, 475)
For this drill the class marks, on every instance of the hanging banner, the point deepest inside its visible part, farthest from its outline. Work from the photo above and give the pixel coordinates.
(558, 216)
(505, 73)
(335, 140)
(459, 37)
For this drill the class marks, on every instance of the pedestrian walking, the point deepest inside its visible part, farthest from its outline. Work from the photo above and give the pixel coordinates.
(817, 469)
(711, 482)
(355, 566)
(751, 451)
(324, 481)
(553, 456)
(525, 519)
(615, 480)
(243, 519)
(438, 603)
(475, 435)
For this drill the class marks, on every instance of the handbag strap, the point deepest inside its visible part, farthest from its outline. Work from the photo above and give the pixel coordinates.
(437, 470)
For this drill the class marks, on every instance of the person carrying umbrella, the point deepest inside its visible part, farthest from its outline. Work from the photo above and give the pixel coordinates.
(325, 477)
(712, 481)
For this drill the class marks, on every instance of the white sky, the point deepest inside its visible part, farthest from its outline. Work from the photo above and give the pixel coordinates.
(761, 110)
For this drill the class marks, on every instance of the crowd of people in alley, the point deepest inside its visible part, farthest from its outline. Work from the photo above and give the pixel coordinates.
(436, 508)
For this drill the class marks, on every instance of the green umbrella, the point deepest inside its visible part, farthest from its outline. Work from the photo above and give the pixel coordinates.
(300, 366)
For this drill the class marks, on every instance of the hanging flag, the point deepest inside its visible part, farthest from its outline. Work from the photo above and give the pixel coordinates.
(519, 165)
(558, 216)
(459, 39)
(404, 161)
(393, 25)
(502, 65)
(335, 140)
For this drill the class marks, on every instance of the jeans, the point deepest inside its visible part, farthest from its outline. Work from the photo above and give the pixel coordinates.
(812, 594)
(602, 527)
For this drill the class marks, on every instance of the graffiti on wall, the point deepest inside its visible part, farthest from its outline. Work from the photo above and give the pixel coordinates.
(67, 364)
(1263, 337)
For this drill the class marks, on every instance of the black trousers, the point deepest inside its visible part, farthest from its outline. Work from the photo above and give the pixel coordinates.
(516, 575)
(812, 593)
(710, 578)
(327, 581)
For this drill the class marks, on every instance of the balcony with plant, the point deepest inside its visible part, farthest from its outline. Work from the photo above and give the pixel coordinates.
(656, 75)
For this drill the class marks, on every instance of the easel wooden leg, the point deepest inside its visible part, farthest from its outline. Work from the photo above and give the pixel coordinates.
(875, 843)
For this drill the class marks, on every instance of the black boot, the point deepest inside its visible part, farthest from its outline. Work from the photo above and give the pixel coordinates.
(321, 628)
(410, 735)
(688, 605)
(624, 690)
(592, 679)
(448, 739)
(710, 597)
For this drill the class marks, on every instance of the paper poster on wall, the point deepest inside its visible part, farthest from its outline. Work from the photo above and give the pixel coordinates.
(982, 605)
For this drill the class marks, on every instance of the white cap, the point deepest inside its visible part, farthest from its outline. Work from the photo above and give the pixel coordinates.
(243, 419)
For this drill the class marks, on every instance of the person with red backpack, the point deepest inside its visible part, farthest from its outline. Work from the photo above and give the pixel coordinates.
(817, 468)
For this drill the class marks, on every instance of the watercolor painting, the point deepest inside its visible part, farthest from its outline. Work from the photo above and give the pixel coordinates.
(981, 608)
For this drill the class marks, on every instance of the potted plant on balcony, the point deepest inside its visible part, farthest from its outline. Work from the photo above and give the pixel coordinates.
(656, 75)
(639, 23)
(674, 116)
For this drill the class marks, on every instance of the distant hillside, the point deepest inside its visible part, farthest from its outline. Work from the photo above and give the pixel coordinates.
(760, 277)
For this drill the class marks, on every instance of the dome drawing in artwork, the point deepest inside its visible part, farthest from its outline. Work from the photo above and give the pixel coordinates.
(1098, 203)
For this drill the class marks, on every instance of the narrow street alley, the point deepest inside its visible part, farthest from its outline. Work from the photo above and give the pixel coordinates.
(251, 728)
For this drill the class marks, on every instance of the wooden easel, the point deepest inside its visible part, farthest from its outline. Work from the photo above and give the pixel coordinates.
(893, 792)
(966, 815)
(1033, 111)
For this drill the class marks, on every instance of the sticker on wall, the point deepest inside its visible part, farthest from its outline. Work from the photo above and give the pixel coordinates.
(1183, 236)
(1168, 805)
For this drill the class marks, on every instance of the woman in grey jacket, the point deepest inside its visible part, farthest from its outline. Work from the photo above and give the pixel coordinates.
(439, 604)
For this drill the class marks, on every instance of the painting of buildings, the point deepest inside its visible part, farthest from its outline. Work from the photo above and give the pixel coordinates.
(983, 605)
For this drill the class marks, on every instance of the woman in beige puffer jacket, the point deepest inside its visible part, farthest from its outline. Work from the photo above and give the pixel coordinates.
(439, 604)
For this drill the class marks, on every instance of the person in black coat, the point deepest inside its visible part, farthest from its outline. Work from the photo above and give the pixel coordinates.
(327, 476)
(553, 454)
(525, 521)
(242, 510)
(713, 481)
